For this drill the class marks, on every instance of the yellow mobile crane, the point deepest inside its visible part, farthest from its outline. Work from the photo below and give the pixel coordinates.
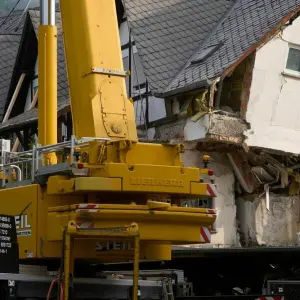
(109, 186)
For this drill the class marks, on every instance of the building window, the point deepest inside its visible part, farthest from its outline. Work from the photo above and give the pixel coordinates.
(202, 203)
(293, 61)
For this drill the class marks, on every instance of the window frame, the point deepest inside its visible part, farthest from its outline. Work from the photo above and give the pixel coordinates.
(289, 71)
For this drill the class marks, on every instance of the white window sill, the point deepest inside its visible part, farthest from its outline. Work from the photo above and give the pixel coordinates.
(289, 74)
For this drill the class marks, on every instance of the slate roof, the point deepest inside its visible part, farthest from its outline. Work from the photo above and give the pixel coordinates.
(10, 36)
(156, 27)
(62, 89)
(29, 117)
(247, 24)
(167, 33)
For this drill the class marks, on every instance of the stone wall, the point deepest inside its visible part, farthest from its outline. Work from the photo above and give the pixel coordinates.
(277, 226)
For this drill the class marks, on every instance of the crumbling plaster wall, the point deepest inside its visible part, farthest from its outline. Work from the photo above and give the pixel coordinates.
(226, 229)
(274, 107)
(277, 226)
(211, 126)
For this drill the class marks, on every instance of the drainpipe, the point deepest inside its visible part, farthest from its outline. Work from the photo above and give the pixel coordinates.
(47, 71)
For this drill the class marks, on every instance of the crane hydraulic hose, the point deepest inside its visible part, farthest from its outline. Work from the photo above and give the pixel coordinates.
(61, 290)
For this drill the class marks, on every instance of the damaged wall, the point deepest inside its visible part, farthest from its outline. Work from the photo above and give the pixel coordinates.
(277, 226)
(226, 235)
(214, 126)
(226, 129)
(274, 106)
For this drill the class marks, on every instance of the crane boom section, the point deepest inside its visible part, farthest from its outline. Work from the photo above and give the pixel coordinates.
(108, 188)
(99, 102)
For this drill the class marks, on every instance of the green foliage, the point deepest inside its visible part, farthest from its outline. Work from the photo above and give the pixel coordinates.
(31, 142)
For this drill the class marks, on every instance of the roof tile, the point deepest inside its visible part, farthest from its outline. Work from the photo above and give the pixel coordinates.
(248, 22)
(178, 28)
(11, 28)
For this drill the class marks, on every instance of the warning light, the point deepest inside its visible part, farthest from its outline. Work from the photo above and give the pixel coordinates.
(206, 160)
(210, 172)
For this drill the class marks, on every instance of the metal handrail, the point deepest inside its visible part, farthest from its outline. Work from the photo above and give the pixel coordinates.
(34, 155)
(16, 163)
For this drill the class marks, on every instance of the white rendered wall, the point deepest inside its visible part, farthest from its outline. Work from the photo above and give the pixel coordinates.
(226, 228)
(274, 104)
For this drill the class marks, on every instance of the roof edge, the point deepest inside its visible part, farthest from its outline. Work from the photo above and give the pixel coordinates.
(265, 39)
(12, 86)
(187, 88)
(225, 16)
(31, 118)
(270, 34)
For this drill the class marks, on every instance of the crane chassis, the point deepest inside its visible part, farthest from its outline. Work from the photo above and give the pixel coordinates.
(103, 185)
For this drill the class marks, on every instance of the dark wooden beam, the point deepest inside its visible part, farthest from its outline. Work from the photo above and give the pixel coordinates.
(26, 139)
(20, 137)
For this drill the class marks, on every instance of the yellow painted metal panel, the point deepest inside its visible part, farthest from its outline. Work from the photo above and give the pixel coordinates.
(153, 178)
(153, 154)
(97, 184)
(21, 202)
(108, 250)
(98, 101)
(199, 189)
(55, 225)
(162, 226)
(134, 180)
(60, 185)
(119, 207)
(47, 225)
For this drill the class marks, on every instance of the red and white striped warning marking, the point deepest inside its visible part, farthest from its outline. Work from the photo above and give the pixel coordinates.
(211, 211)
(270, 298)
(211, 190)
(205, 235)
(87, 208)
(84, 225)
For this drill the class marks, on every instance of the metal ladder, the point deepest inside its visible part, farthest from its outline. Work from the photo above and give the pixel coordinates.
(167, 289)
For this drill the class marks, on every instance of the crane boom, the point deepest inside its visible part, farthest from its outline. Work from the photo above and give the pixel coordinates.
(99, 103)
(108, 187)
